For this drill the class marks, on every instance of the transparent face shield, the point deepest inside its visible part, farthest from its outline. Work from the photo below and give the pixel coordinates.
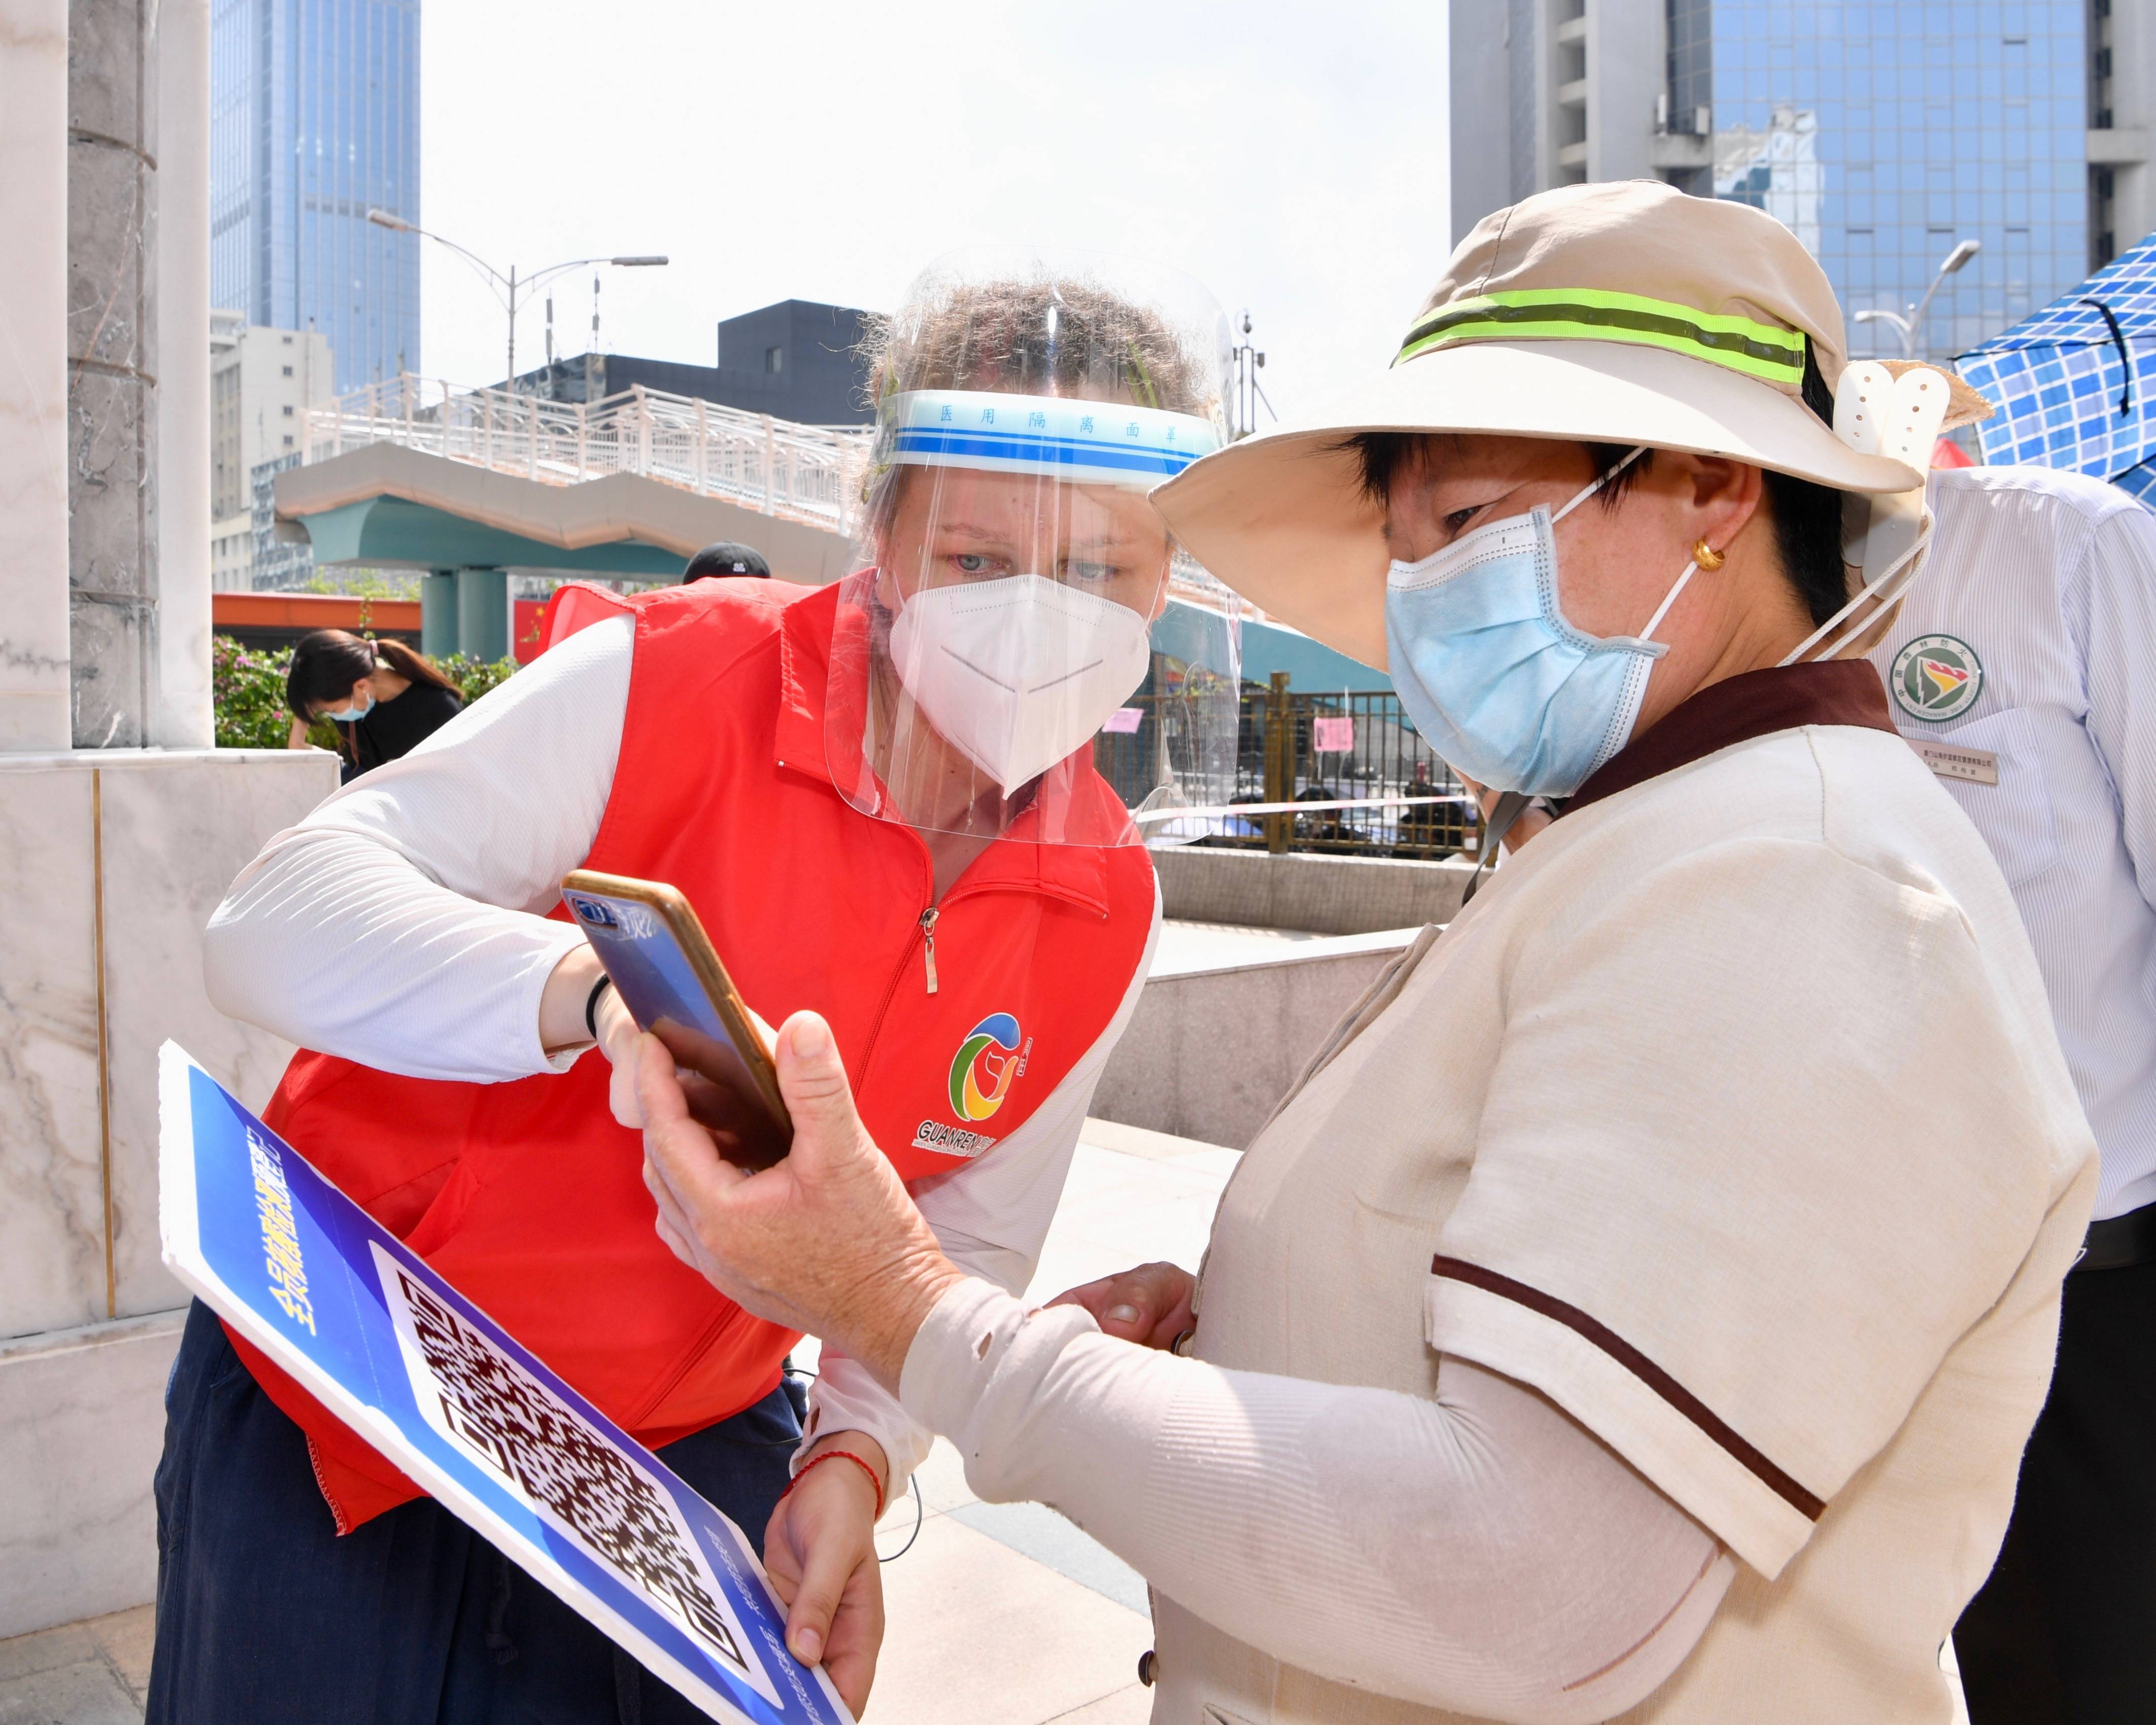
(1022, 651)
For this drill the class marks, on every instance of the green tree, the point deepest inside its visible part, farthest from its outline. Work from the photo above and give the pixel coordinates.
(364, 583)
(473, 676)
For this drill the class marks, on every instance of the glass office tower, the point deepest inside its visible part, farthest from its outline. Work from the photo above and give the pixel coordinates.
(314, 119)
(1884, 131)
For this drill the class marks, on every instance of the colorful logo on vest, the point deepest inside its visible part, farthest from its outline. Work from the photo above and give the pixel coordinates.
(1937, 678)
(987, 1060)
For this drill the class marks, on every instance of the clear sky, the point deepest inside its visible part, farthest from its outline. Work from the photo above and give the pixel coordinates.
(1291, 156)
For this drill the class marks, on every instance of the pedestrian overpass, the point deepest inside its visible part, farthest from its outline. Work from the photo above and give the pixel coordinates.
(469, 485)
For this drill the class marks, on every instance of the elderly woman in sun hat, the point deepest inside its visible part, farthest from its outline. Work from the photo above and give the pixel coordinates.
(1640, 1304)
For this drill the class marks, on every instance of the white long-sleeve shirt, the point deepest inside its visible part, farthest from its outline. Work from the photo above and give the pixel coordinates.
(2046, 580)
(1478, 1552)
(402, 925)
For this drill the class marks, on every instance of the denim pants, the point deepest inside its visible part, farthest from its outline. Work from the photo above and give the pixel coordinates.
(266, 1617)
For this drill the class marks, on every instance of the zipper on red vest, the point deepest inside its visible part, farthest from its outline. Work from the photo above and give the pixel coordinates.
(926, 923)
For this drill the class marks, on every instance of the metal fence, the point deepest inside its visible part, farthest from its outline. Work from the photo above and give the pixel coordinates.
(1293, 747)
(810, 474)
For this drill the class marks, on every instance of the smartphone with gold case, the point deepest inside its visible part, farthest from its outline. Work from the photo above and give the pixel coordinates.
(669, 977)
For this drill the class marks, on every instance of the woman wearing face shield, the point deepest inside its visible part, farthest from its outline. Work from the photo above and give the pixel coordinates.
(1639, 1305)
(879, 796)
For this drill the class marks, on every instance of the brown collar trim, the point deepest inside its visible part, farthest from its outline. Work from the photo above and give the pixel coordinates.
(1839, 691)
(1640, 1367)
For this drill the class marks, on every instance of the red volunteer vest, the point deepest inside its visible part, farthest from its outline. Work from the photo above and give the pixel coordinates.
(529, 1197)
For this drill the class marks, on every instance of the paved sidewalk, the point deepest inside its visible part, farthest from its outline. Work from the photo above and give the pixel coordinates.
(95, 1672)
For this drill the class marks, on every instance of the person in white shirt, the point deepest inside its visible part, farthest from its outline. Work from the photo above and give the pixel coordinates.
(2023, 671)
(1639, 1307)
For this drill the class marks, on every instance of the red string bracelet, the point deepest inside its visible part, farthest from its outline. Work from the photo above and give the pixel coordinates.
(815, 1462)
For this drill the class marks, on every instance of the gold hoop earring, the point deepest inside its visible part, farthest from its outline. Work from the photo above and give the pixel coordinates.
(1707, 558)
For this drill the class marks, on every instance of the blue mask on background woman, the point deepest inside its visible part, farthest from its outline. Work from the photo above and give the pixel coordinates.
(1504, 687)
(350, 713)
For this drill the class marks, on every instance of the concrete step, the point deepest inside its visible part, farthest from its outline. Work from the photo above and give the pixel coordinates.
(1228, 1020)
(1317, 892)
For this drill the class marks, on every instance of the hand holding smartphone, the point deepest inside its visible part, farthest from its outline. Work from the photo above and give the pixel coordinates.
(669, 977)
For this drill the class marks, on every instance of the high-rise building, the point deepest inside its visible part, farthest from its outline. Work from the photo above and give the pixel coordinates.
(261, 383)
(1883, 134)
(314, 120)
(2121, 140)
(796, 359)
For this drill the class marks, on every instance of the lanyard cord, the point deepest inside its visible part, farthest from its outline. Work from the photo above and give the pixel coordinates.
(1876, 587)
(1510, 806)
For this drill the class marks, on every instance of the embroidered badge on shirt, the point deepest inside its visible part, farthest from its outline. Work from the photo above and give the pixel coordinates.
(1937, 678)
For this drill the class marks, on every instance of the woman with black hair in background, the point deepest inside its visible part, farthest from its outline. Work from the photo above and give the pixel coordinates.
(384, 699)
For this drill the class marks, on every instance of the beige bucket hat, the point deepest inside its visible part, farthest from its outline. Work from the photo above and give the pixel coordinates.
(1623, 312)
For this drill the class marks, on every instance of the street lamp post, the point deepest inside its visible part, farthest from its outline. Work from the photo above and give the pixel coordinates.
(1910, 324)
(1248, 361)
(1900, 323)
(507, 288)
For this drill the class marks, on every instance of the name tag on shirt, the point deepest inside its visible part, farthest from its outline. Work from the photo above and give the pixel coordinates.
(1975, 766)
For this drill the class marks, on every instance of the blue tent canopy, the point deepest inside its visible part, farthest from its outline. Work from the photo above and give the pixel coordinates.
(2074, 384)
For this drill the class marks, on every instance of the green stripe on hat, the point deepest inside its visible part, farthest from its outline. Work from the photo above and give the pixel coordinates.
(1758, 350)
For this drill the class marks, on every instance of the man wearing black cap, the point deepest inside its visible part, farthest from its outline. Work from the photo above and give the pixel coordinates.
(727, 558)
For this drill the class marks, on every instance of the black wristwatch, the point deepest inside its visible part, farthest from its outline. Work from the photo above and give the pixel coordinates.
(591, 1005)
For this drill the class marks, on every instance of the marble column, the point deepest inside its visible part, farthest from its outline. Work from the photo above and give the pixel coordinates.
(180, 714)
(119, 852)
(34, 395)
(112, 368)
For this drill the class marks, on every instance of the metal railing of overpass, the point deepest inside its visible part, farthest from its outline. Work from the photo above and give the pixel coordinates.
(810, 474)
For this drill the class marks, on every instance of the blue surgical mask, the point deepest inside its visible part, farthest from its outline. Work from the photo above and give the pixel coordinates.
(1505, 689)
(348, 715)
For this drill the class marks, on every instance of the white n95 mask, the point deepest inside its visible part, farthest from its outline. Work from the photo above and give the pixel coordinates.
(1019, 672)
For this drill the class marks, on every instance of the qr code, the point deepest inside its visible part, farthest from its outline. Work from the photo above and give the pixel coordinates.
(568, 1471)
